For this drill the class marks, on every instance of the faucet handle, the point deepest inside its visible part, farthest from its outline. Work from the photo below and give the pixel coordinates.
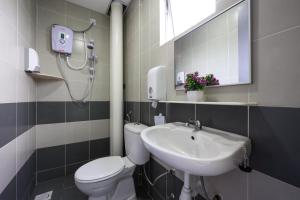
(196, 124)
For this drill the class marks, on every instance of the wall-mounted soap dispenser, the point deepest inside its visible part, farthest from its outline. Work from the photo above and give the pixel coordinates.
(157, 84)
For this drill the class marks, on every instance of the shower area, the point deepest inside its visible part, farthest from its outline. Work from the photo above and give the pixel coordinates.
(72, 112)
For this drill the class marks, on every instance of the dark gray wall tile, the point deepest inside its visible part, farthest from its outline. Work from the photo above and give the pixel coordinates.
(32, 114)
(133, 107)
(71, 169)
(275, 133)
(145, 183)
(199, 197)
(145, 112)
(155, 194)
(77, 111)
(50, 112)
(155, 170)
(25, 178)
(9, 193)
(7, 123)
(137, 178)
(50, 157)
(227, 118)
(77, 152)
(99, 110)
(161, 108)
(174, 186)
(22, 117)
(50, 174)
(177, 112)
(99, 148)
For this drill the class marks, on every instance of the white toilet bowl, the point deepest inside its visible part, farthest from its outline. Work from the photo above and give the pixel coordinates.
(110, 178)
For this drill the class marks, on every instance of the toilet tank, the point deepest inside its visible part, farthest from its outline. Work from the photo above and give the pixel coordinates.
(135, 149)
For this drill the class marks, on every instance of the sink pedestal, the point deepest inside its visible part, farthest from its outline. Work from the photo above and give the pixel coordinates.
(186, 192)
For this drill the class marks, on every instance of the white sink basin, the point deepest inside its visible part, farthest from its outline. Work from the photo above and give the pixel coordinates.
(207, 152)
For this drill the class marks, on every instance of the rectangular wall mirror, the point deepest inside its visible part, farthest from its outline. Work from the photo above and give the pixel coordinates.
(220, 46)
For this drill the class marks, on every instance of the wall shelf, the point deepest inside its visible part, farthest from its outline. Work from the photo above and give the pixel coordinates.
(214, 103)
(40, 76)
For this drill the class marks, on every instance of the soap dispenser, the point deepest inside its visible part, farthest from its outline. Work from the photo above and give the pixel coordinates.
(157, 86)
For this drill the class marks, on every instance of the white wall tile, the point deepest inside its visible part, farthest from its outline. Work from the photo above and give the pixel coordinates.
(8, 41)
(51, 91)
(48, 135)
(272, 16)
(8, 83)
(25, 147)
(8, 9)
(77, 131)
(276, 69)
(76, 17)
(99, 129)
(77, 12)
(101, 88)
(57, 5)
(8, 164)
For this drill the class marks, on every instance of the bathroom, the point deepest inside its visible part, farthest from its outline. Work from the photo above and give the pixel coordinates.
(102, 92)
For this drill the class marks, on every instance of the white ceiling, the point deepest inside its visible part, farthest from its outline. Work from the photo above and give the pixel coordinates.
(101, 6)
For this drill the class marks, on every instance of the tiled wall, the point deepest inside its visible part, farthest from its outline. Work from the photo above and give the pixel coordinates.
(17, 100)
(78, 18)
(272, 125)
(274, 46)
(274, 134)
(68, 135)
(73, 133)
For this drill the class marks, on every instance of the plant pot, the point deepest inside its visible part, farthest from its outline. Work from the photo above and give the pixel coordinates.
(195, 95)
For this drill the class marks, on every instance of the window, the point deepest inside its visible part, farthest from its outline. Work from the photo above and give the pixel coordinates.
(177, 16)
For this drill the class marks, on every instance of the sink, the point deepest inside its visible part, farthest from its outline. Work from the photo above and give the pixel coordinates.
(206, 152)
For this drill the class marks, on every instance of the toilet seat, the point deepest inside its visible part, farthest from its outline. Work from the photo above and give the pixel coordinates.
(100, 169)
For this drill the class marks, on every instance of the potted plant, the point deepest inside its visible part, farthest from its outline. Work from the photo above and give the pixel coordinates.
(195, 84)
(211, 80)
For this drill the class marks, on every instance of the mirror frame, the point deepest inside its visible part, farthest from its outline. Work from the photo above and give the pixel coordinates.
(207, 20)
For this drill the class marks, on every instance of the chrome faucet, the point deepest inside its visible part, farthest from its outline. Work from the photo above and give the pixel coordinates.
(128, 117)
(196, 124)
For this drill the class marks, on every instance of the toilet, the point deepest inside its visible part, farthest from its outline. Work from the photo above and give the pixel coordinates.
(110, 178)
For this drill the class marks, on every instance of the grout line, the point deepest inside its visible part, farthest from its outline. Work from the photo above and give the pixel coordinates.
(195, 112)
(277, 33)
(248, 121)
(16, 105)
(65, 166)
(149, 114)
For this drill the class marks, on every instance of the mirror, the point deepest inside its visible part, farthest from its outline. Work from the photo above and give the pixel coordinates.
(219, 46)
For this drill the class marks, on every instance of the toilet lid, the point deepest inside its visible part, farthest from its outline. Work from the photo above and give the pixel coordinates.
(100, 169)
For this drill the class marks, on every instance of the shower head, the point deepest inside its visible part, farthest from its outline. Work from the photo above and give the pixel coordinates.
(93, 22)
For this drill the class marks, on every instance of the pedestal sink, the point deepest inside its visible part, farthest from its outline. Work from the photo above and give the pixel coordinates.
(206, 152)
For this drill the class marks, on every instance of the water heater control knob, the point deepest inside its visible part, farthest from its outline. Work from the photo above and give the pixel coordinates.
(62, 41)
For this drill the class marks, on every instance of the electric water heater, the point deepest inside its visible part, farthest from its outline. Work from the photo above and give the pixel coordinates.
(62, 39)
